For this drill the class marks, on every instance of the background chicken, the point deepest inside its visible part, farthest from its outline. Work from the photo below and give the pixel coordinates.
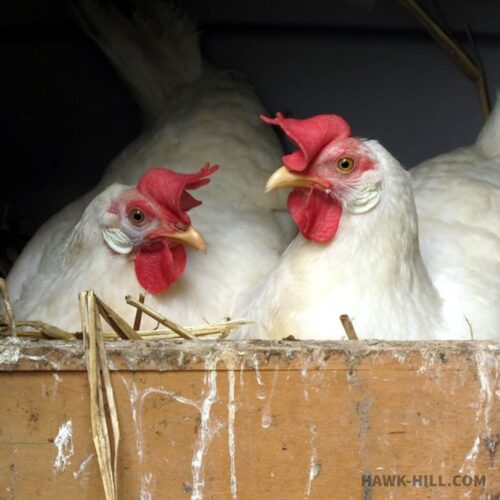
(359, 252)
(197, 114)
(458, 204)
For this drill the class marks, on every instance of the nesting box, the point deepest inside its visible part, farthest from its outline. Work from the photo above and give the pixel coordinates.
(220, 419)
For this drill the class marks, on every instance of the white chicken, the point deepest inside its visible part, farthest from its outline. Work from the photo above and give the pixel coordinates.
(126, 239)
(199, 114)
(358, 252)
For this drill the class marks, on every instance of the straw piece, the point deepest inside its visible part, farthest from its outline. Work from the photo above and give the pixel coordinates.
(348, 327)
(481, 83)
(443, 39)
(484, 98)
(471, 331)
(161, 319)
(201, 331)
(82, 304)
(21, 333)
(8, 307)
(138, 313)
(110, 400)
(197, 331)
(456, 53)
(90, 329)
(116, 322)
(46, 330)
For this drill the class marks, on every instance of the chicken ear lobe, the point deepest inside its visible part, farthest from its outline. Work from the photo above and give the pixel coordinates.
(158, 266)
(316, 214)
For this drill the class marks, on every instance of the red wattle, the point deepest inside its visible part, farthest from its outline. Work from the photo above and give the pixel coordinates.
(158, 266)
(316, 214)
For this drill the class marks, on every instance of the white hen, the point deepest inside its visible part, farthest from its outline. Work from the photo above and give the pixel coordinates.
(359, 251)
(200, 115)
(126, 239)
(458, 204)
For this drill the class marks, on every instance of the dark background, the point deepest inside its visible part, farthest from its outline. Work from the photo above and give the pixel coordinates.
(65, 114)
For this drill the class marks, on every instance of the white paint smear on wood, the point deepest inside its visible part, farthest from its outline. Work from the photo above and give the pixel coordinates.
(145, 486)
(231, 416)
(204, 434)
(64, 444)
(83, 466)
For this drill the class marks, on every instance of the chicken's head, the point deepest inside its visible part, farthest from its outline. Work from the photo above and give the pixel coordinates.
(331, 172)
(150, 224)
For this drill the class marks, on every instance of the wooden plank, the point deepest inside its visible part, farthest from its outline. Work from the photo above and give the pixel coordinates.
(166, 355)
(254, 420)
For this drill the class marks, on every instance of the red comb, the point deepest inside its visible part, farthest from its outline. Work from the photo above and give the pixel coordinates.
(311, 135)
(169, 190)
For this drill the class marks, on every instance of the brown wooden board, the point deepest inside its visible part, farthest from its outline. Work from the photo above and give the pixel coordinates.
(254, 420)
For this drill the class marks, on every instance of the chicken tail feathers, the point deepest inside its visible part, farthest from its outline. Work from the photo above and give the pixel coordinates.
(489, 137)
(154, 47)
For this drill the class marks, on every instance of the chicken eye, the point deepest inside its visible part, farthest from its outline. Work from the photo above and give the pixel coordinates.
(345, 165)
(136, 216)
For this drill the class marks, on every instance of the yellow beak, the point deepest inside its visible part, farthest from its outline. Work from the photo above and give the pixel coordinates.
(284, 178)
(190, 237)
